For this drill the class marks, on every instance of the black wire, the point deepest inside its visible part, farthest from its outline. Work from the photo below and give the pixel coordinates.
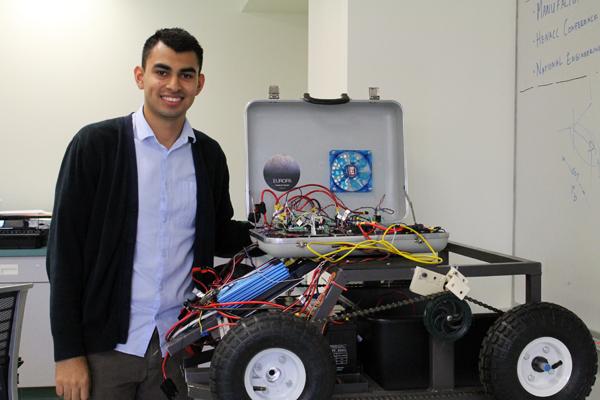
(248, 254)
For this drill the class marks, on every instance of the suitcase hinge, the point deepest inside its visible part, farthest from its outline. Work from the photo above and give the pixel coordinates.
(373, 93)
(274, 92)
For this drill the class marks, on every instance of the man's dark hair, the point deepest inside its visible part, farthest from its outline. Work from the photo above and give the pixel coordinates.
(177, 39)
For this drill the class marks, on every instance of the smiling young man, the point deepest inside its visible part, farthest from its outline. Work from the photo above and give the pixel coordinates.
(139, 200)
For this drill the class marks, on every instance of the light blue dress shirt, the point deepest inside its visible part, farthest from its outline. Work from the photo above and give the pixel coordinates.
(165, 234)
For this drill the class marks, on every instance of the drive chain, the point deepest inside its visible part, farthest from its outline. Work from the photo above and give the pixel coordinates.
(484, 305)
(397, 304)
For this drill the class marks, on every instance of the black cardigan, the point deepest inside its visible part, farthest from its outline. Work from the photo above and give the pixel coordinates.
(93, 233)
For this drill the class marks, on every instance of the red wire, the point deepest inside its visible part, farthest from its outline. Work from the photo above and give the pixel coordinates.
(365, 234)
(307, 201)
(220, 325)
(262, 194)
(205, 270)
(292, 305)
(323, 294)
(336, 201)
(262, 200)
(201, 284)
(164, 366)
(344, 289)
(376, 226)
(235, 261)
(167, 355)
(216, 282)
(312, 288)
(324, 190)
(180, 322)
(320, 189)
(304, 295)
(228, 315)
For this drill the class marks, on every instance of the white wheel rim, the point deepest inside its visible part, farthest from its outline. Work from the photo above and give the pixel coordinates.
(275, 374)
(550, 381)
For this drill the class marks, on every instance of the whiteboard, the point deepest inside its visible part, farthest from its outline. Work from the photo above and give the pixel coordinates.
(557, 189)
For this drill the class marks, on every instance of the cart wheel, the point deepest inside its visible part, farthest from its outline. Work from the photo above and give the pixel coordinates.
(447, 317)
(538, 350)
(273, 356)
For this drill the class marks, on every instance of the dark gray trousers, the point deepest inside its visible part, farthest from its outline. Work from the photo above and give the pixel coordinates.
(120, 376)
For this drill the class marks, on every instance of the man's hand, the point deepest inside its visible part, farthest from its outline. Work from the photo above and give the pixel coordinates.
(73, 379)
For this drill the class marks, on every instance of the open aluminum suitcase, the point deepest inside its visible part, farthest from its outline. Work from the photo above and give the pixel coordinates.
(291, 143)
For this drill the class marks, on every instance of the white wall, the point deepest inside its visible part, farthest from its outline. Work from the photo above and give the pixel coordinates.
(452, 67)
(450, 64)
(67, 63)
(328, 55)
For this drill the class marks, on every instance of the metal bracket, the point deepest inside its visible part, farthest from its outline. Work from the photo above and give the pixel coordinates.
(373, 93)
(274, 92)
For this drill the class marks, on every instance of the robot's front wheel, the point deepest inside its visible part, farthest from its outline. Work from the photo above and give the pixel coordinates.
(538, 351)
(272, 356)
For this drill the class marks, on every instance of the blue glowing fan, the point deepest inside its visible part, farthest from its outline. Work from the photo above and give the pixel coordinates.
(350, 171)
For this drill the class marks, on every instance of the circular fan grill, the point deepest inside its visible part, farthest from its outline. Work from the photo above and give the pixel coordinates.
(350, 171)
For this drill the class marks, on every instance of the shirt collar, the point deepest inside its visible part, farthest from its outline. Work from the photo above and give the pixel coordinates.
(143, 131)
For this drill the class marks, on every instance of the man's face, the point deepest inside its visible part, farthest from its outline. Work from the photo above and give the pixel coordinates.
(170, 82)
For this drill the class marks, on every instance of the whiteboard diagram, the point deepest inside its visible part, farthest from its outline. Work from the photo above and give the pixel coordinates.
(557, 163)
(581, 140)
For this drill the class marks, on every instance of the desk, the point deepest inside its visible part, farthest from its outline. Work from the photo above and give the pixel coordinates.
(36, 350)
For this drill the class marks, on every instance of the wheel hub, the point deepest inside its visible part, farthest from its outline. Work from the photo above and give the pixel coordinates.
(544, 366)
(275, 374)
(447, 317)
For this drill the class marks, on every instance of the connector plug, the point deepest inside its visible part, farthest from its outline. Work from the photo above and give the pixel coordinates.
(169, 388)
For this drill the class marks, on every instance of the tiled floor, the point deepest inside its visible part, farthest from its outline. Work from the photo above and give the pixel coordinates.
(49, 394)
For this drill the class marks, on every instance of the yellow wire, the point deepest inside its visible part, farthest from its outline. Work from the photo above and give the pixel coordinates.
(347, 248)
(200, 321)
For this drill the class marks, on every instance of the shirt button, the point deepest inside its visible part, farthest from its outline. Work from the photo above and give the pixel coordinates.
(164, 218)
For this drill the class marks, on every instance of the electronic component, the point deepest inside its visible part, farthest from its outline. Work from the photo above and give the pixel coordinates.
(310, 220)
(426, 282)
(457, 283)
(24, 230)
(254, 284)
(350, 171)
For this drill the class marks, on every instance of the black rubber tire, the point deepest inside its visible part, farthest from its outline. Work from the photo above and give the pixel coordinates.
(270, 330)
(516, 328)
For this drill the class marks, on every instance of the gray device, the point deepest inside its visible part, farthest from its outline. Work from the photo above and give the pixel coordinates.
(354, 148)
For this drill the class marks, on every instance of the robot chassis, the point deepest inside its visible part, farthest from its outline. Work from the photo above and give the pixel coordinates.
(517, 360)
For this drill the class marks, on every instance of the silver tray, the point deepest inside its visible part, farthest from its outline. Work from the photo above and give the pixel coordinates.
(296, 247)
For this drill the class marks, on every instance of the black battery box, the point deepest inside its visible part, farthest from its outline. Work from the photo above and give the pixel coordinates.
(342, 340)
(394, 351)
